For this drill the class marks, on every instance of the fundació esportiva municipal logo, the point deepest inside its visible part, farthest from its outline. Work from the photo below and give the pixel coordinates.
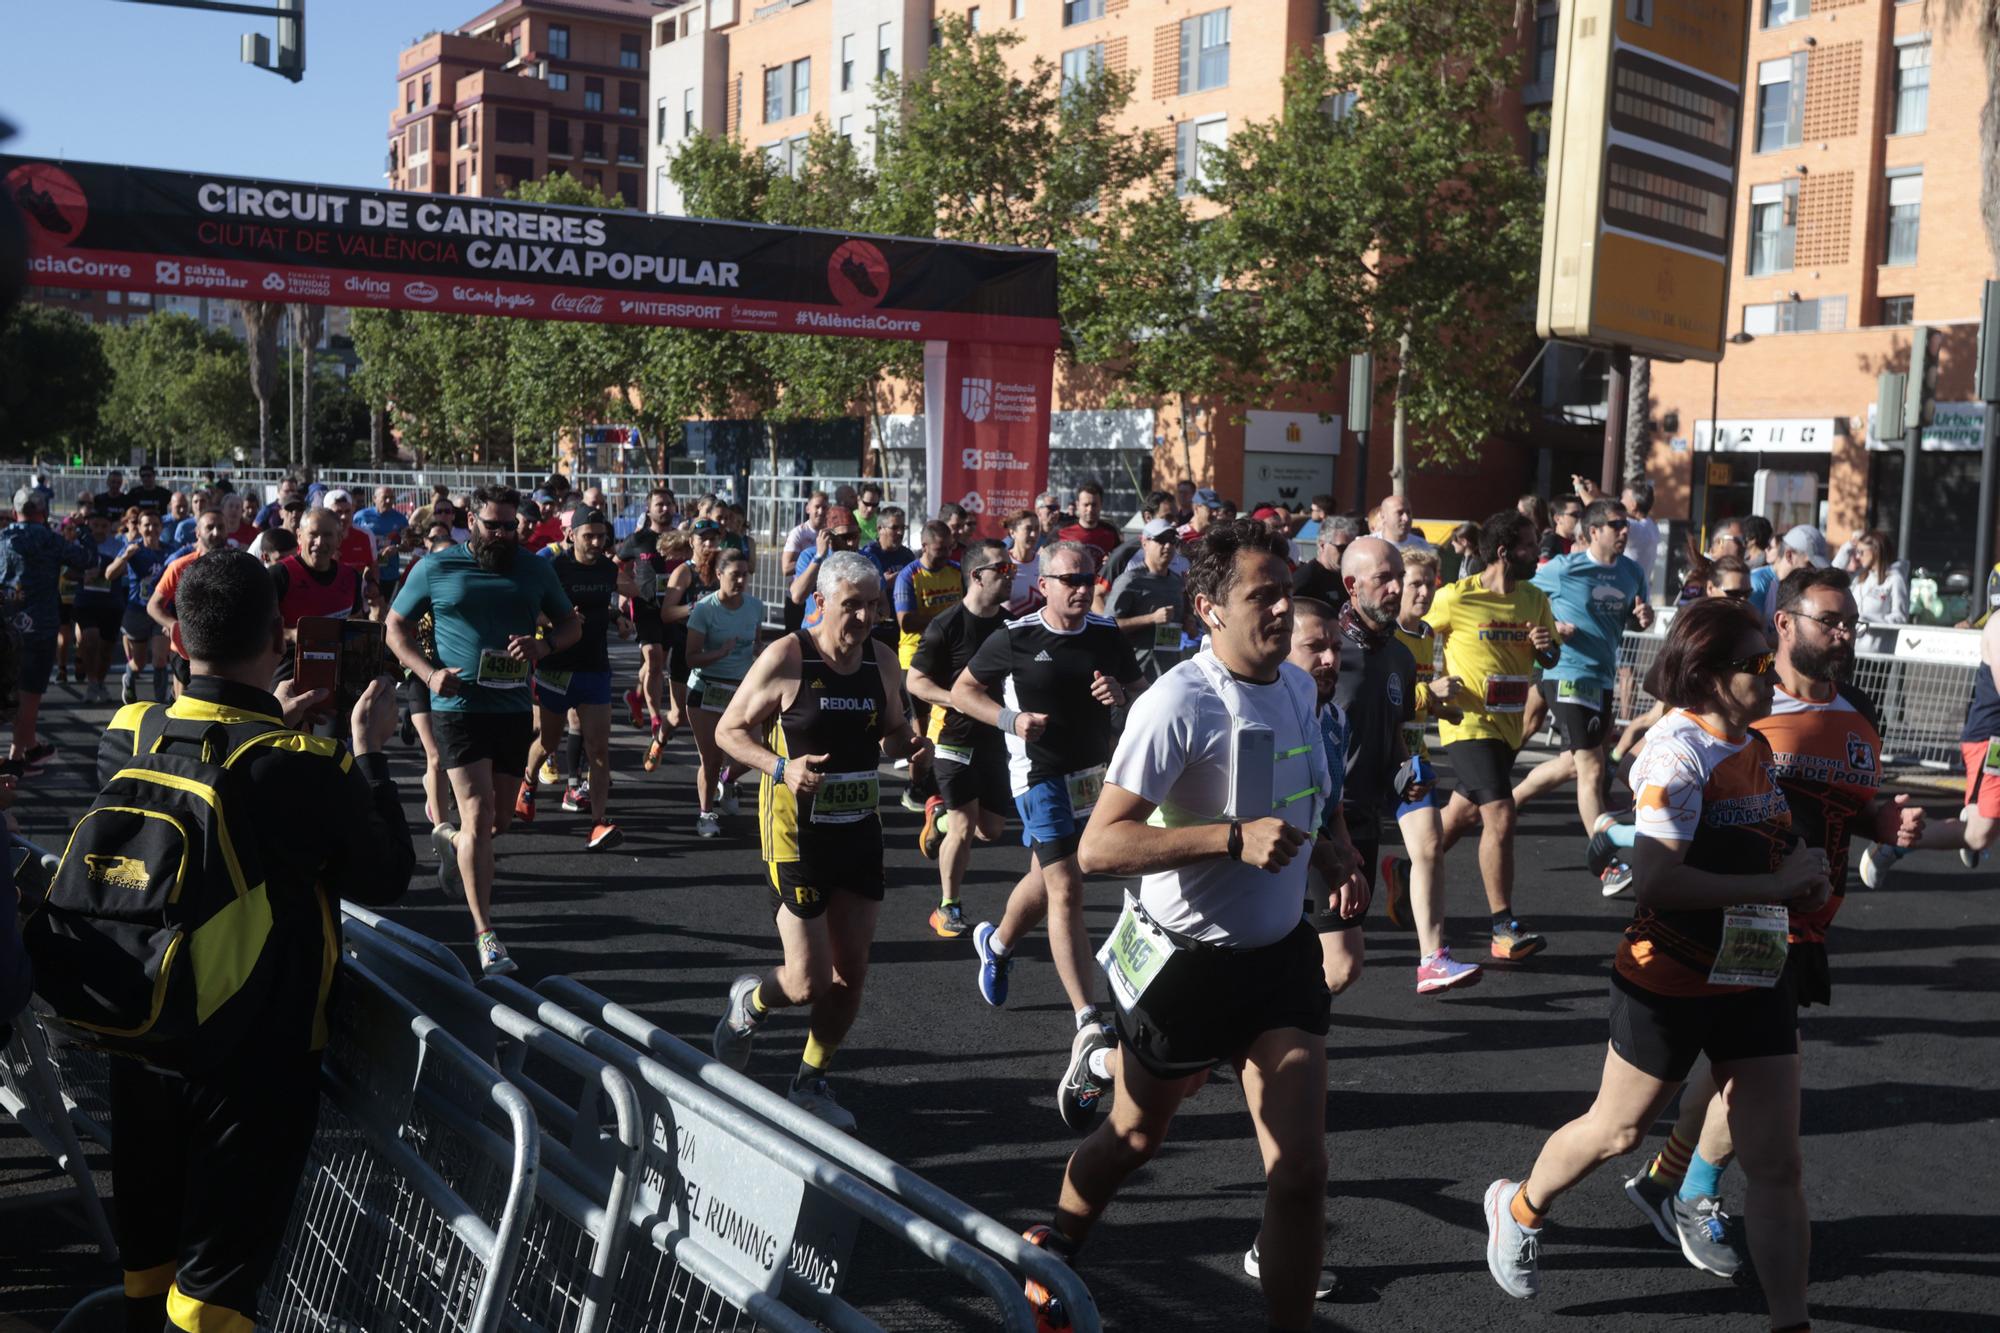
(975, 397)
(858, 275)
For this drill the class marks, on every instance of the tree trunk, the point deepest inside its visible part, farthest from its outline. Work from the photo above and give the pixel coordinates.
(378, 433)
(1398, 433)
(260, 327)
(1638, 418)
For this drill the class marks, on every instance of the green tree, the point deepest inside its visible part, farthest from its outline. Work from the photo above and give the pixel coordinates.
(178, 390)
(53, 380)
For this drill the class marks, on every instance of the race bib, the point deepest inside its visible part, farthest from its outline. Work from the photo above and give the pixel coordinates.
(953, 753)
(1084, 789)
(497, 671)
(716, 694)
(1167, 638)
(1752, 952)
(1992, 764)
(1507, 694)
(1413, 738)
(1136, 953)
(846, 798)
(1579, 692)
(558, 681)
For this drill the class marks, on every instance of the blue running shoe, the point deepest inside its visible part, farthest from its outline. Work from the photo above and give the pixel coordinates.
(992, 966)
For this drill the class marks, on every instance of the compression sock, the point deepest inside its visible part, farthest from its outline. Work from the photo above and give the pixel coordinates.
(1671, 1165)
(573, 755)
(1703, 1180)
(160, 685)
(813, 1064)
(1524, 1212)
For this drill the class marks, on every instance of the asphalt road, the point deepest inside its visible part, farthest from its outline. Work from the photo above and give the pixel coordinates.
(1429, 1098)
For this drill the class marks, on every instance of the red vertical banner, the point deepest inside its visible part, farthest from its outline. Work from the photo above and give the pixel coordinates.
(986, 427)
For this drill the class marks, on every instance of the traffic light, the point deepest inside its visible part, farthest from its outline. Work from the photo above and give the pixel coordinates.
(291, 59)
(1920, 395)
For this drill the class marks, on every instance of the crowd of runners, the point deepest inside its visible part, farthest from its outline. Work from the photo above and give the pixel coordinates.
(1226, 710)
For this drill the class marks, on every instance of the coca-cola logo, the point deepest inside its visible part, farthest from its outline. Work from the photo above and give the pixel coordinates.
(421, 292)
(563, 303)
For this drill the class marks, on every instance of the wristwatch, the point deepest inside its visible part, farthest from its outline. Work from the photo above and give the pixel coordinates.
(1236, 840)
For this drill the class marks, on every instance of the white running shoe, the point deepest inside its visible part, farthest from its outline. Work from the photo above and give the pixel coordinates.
(734, 1033)
(1877, 862)
(725, 799)
(1512, 1250)
(1328, 1279)
(1966, 856)
(708, 825)
(816, 1098)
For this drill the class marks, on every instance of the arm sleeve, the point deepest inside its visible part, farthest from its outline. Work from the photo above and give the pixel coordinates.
(1668, 779)
(994, 661)
(375, 858)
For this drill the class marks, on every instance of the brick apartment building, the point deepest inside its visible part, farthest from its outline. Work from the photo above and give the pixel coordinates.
(526, 88)
(1857, 214)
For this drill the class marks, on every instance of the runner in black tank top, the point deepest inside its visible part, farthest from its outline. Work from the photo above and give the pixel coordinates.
(815, 715)
(683, 588)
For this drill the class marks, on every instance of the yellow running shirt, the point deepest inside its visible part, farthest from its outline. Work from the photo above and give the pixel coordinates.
(1486, 646)
(1423, 647)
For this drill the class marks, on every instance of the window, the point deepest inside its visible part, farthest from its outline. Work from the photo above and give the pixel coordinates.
(1897, 310)
(593, 94)
(628, 144)
(847, 129)
(774, 94)
(1774, 211)
(1912, 110)
(1081, 65)
(1781, 101)
(847, 63)
(462, 121)
(1827, 314)
(593, 141)
(513, 40)
(1340, 106)
(558, 81)
(628, 189)
(1192, 140)
(1018, 9)
(881, 49)
(802, 76)
(972, 18)
(1777, 13)
(558, 137)
(687, 111)
(420, 176)
(1205, 51)
(1081, 11)
(511, 171)
(795, 150)
(559, 41)
(427, 90)
(1548, 31)
(514, 126)
(461, 178)
(777, 156)
(475, 129)
(1538, 151)
(114, 298)
(628, 52)
(629, 99)
(660, 121)
(1906, 206)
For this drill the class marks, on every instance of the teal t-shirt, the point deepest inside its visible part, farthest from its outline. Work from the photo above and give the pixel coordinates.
(1598, 600)
(475, 611)
(717, 623)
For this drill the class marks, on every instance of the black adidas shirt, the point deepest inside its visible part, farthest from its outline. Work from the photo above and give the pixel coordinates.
(949, 643)
(1035, 669)
(592, 589)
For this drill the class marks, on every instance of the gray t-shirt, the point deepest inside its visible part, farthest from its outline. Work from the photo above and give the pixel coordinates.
(1138, 591)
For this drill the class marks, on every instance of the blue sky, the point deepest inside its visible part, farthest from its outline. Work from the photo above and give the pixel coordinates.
(140, 85)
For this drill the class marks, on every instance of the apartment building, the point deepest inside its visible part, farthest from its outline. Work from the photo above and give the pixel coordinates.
(526, 88)
(126, 308)
(1856, 219)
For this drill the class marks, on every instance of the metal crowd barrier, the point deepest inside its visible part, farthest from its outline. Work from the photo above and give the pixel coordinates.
(29, 1091)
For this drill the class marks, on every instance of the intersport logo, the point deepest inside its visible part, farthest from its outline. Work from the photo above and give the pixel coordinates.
(421, 292)
(563, 303)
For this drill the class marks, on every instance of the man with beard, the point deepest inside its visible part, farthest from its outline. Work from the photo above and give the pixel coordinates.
(208, 536)
(1826, 752)
(1497, 628)
(484, 601)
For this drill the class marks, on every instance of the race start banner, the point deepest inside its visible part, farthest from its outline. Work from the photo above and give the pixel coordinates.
(138, 229)
(986, 428)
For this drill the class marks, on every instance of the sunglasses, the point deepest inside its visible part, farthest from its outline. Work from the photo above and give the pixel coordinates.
(1616, 524)
(1848, 625)
(1081, 579)
(1002, 568)
(1735, 594)
(1758, 665)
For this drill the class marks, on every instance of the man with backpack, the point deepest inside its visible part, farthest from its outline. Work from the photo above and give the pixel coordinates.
(192, 931)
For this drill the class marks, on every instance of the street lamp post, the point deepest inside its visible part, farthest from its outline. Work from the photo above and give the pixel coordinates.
(1698, 469)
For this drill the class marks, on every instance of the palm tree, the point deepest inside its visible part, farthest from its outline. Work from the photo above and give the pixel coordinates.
(261, 322)
(308, 322)
(1638, 418)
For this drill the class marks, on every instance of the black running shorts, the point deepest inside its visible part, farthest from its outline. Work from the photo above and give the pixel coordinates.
(647, 625)
(1210, 1003)
(464, 739)
(840, 858)
(983, 781)
(1812, 980)
(1582, 713)
(1662, 1035)
(1484, 769)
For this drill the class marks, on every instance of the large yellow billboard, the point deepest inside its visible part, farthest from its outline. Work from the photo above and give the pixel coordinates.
(1646, 125)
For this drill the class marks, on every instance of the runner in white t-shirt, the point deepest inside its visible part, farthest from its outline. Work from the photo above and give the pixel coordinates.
(1212, 796)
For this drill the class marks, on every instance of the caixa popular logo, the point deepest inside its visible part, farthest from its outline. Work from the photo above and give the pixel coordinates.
(167, 271)
(571, 303)
(365, 286)
(420, 292)
(969, 459)
(975, 398)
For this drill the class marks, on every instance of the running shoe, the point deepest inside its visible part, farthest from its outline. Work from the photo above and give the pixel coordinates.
(1441, 971)
(1701, 1229)
(1396, 882)
(636, 702)
(734, 1033)
(708, 824)
(931, 836)
(1877, 862)
(1253, 1265)
(1080, 1095)
(816, 1099)
(1616, 879)
(725, 799)
(1652, 1196)
(576, 796)
(547, 775)
(38, 756)
(1966, 856)
(406, 727)
(96, 693)
(1050, 1316)
(911, 803)
(524, 804)
(444, 841)
(993, 967)
(1515, 942)
(654, 752)
(493, 959)
(948, 921)
(128, 688)
(1600, 853)
(1512, 1250)
(605, 836)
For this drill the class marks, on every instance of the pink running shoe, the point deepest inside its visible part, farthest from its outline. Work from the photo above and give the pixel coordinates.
(635, 701)
(1441, 972)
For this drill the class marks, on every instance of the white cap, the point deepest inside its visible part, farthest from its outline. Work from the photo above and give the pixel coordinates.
(337, 493)
(1159, 527)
